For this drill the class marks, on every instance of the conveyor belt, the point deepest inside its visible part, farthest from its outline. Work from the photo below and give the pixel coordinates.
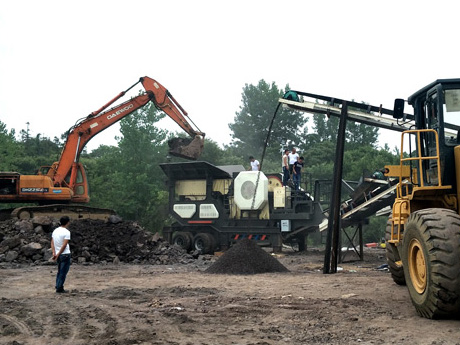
(367, 208)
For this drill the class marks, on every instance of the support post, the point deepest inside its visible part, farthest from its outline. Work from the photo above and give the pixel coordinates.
(361, 242)
(333, 230)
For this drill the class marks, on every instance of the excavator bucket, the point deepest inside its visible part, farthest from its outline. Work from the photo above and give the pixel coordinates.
(186, 147)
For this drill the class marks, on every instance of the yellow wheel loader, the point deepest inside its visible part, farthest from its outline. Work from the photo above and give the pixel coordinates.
(423, 232)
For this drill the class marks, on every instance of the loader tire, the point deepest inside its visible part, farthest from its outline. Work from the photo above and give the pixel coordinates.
(431, 261)
(183, 239)
(396, 271)
(204, 243)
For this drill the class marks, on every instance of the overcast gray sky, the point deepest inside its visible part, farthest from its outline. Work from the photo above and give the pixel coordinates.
(61, 60)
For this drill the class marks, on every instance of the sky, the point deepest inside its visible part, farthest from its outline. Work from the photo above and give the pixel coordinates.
(61, 60)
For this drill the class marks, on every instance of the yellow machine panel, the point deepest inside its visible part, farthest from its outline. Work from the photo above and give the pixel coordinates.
(221, 186)
(457, 170)
(196, 189)
(191, 189)
(279, 197)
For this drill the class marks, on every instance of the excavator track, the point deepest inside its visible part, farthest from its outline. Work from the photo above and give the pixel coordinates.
(59, 210)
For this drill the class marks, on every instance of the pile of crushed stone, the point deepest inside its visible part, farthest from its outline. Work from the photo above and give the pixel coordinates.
(92, 241)
(246, 257)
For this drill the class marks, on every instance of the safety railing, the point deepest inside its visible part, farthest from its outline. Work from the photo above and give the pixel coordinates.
(419, 159)
(406, 187)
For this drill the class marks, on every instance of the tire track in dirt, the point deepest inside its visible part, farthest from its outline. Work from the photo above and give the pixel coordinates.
(63, 325)
(88, 322)
(96, 323)
(150, 308)
(101, 322)
(19, 325)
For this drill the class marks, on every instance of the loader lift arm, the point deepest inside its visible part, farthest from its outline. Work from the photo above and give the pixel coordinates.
(97, 121)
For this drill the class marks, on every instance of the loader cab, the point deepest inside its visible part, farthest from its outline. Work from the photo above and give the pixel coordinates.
(437, 107)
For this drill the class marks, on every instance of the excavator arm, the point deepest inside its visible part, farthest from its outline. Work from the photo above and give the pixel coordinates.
(97, 121)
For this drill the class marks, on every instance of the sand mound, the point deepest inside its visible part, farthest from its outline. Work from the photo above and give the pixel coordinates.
(246, 257)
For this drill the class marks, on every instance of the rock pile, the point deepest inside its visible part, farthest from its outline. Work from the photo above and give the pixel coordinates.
(92, 241)
(246, 257)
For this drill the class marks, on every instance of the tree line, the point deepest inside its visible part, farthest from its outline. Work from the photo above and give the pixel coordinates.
(128, 179)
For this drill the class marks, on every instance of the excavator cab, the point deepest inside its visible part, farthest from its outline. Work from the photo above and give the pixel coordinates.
(187, 148)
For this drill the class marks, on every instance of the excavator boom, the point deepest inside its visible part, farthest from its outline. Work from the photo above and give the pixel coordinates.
(97, 121)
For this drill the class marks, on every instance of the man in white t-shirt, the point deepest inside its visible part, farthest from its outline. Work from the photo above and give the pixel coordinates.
(255, 166)
(293, 157)
(285, 167)
(61, 252)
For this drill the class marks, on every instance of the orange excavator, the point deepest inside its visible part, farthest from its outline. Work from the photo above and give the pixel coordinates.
(61, 188)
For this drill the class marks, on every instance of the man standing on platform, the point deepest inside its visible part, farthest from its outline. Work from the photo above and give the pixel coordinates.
(297, 170)
(293, 157)
(285, 167)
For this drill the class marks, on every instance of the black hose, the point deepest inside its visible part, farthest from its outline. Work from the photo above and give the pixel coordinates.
(268, 135)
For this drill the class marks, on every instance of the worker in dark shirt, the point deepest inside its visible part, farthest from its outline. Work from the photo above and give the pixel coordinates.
(296, 172)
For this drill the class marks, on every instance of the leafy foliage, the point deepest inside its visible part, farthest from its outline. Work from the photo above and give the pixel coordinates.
(9, 149)
(375, 230)
(25, 155)
(128, 178)
(251, 123)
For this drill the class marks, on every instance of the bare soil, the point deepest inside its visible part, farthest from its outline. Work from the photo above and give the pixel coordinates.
(181, 304)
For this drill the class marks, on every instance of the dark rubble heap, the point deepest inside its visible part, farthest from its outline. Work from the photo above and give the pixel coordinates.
(246, 257)
(92, 241)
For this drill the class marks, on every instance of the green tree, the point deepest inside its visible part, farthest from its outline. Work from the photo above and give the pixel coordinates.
(375, 230)
(216, 155)
(128, 178)
(359, 134)
(27, 154)
(365, 160)
(320, 159)
(9, 149)
(104, 177)
(325, 127)
(36, 152)
(356, 134)
(142, 148)
(251, 123)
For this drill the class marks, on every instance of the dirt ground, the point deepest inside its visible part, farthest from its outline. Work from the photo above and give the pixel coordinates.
(180, 304)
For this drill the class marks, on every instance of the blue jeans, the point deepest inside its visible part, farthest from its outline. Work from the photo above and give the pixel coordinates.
(286, 176)
(296, 179)
(63, 262)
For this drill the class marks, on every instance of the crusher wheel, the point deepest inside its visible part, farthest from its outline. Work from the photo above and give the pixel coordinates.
(204, 243)
(183, 239)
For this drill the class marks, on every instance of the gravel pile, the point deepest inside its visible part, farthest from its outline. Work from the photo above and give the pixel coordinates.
(92, 241)
(246, 257)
